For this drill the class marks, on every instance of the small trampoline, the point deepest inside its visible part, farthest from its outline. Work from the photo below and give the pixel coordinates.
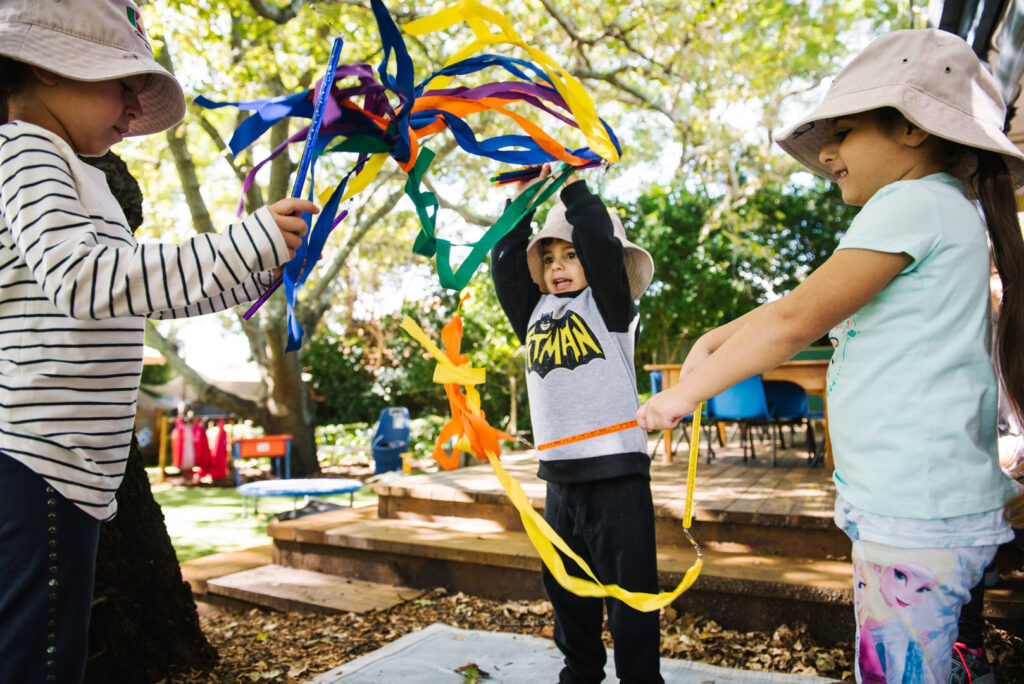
(314, 486)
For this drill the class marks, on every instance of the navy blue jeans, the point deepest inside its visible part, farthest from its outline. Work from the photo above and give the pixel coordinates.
(610, 525)
(47, 568)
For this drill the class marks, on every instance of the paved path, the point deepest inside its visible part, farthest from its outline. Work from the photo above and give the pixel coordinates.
(432, 656)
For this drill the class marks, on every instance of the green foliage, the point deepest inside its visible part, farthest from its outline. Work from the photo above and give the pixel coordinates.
(157, 375)
(705, 276)
(799, 226)
(341, 382)
(423, 434)
(348, 434)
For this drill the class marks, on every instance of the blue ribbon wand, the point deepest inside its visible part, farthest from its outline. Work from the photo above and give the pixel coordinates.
(307, 152)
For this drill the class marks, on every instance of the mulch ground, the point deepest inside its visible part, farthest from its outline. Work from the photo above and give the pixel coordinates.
(266, 646)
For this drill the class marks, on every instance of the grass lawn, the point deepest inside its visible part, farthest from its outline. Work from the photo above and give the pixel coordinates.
(202, 519)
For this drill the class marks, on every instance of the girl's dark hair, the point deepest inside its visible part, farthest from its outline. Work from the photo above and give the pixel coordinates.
(13, 75)
(992, 184)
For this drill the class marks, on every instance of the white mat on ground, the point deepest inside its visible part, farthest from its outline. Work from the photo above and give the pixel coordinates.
(432, 656)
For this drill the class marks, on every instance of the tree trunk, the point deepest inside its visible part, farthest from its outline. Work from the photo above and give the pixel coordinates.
(144, 620)
(303, 454)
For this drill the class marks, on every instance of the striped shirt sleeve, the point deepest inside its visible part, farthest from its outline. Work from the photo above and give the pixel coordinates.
(87, 275)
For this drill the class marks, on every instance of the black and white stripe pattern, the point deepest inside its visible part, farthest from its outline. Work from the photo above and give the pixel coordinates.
(75, 287)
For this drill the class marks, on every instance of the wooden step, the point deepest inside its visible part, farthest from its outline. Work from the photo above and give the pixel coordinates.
(741, 590)
(738, 508)
(479, 543)
(290, 589)
(750, 591)
(199, 570)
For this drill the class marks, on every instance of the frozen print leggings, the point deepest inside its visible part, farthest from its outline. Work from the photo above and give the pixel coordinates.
(907, 603)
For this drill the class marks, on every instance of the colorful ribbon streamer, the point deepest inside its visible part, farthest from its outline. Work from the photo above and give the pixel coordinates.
(375, 130)
(468, 424)
(472, 433)
(618, 427)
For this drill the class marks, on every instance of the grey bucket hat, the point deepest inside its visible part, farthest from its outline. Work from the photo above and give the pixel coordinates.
(932, 77)
(92, 40)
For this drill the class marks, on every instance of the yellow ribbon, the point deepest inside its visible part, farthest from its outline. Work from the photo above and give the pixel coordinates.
(545, 540)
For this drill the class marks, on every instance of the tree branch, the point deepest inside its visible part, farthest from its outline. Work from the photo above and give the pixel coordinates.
(177, 143)
(253, 196)
(278, 15)
(205, 392)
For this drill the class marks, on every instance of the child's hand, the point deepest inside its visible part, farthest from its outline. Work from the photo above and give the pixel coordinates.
(664, 410)
(287, 214)
(521, 186)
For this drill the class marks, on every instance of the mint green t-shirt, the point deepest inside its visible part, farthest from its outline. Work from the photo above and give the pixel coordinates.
(911, 387)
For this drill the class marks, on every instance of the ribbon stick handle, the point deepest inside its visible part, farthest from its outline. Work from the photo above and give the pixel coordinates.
(307, 151)
(589, 435)
(691, 468)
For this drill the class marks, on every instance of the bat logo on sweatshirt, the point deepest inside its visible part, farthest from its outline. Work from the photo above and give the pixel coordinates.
(565, 342)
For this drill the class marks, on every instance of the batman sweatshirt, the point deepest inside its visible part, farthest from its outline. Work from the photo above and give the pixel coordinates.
(580, 373)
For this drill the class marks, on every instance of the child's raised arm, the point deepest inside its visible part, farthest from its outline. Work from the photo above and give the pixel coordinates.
(773, 332)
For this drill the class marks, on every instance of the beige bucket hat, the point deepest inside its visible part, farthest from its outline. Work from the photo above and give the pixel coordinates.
(639, 264)
(932, 77)
(92, 40)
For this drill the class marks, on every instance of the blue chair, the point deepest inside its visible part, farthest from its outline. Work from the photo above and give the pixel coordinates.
(656, 380)
(788, 404)
(391, 439)
(744, 404)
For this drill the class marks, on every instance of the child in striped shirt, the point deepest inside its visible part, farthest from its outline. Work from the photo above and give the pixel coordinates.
(76, 77)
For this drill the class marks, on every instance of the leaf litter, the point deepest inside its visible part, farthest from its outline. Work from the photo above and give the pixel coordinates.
(262, 645)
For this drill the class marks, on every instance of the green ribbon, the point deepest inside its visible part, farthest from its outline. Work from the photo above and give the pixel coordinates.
(429, 245)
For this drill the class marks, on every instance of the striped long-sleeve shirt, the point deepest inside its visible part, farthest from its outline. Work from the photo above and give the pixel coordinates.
(75, 288)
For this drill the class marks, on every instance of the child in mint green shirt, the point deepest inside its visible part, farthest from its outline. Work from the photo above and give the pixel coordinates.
(910, 130)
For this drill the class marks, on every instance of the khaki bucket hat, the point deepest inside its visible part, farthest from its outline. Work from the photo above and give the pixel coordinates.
(932, 77)
(92, 40)
(638, 261)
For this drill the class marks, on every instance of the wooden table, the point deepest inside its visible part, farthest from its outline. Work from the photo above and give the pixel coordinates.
(669, 377)
(809, 374)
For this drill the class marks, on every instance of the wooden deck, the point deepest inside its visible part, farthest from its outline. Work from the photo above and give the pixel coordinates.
(771, 551)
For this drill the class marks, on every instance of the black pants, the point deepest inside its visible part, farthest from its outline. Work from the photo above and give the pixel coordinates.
(971, 625)
(610, 524)
(47, 568)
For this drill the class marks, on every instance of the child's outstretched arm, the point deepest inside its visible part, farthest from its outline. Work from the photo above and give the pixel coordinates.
(91, 267)
(601, 254)
(773, 332)
(515, 289)
(287, 214)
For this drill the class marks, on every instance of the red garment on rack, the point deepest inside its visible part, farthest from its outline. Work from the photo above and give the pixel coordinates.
(219, 465)
(201, 444)
(177, 442)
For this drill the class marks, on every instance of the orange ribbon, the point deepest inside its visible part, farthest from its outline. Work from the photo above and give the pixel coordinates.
(468, 423)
